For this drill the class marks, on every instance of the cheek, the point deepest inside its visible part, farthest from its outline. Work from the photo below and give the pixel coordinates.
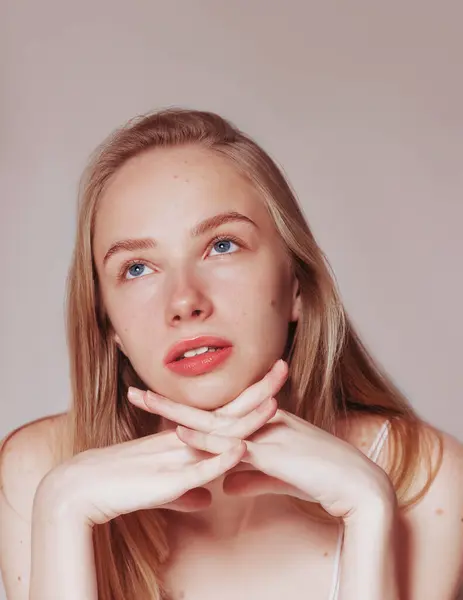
(135, 326)
(264, 289)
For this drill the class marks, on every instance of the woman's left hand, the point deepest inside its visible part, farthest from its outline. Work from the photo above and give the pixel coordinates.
(291, 456)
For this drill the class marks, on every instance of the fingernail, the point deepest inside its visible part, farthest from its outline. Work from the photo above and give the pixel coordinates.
(135, 394)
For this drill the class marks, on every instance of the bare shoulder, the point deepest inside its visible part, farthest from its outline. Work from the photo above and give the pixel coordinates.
(442, 500)
(361, 431)
(444, 450)
(430, 530)
(27, 454)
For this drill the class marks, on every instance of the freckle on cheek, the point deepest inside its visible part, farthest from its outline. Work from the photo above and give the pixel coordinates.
(439, 511)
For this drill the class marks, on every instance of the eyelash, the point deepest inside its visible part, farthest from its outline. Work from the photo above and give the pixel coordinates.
(218, 238)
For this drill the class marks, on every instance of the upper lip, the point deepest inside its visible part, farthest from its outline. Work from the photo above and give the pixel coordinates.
(182, 346)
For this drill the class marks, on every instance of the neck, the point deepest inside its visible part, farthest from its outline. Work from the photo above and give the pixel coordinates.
(227, 516)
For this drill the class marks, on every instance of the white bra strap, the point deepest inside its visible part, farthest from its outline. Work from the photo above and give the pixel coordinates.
(337, 565)
(378, 444)
(373, 454)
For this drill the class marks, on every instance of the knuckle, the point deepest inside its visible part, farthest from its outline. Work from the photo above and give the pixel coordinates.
(206, 442)
(217, 420)
(224, 426)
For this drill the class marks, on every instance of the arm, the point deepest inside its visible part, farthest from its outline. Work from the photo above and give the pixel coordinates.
(368, 568)
(58, 552)
(62, 551)
(25, 457)
(414, 555)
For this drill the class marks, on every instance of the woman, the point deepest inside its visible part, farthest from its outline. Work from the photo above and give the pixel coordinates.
(229, 434)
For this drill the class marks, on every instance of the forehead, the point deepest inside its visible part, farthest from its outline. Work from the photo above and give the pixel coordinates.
(172, 189)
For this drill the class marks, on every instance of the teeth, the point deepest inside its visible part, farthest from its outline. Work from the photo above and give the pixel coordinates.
(196, 351)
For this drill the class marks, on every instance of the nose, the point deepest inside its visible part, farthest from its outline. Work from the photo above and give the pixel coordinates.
(187, 301)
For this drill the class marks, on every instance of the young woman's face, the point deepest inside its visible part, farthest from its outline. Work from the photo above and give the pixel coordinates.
(184, 283)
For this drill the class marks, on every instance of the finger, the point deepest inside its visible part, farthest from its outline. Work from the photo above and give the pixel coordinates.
(192, 500)
(188, 416)
(189, 454)
(209, 469)
(250, 423)
(155, 443)
(256, 393)
(240, 429)
(272, 460)
(267, 458)
(214, 444)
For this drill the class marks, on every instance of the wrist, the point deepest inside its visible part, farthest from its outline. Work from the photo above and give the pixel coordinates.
(378, 514)
(379, 505)
(55, 502)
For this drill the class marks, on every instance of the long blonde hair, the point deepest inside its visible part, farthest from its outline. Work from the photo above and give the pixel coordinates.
(331, 373)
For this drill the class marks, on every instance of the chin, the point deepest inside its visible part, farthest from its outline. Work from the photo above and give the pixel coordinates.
(210, 391)
(207, 400)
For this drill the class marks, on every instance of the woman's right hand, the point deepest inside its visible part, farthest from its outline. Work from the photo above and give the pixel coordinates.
(156, 471)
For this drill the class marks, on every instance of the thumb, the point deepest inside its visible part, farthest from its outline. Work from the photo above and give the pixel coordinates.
(191, 501)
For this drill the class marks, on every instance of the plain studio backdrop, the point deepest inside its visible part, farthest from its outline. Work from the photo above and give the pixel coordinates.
(359, 102)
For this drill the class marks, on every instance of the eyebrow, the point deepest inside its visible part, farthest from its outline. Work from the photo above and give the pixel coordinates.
(201, 228)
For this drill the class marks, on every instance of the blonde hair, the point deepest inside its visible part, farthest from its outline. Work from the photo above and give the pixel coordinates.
(331, 373)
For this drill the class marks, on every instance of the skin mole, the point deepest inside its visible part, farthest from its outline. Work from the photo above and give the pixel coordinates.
(439, 511)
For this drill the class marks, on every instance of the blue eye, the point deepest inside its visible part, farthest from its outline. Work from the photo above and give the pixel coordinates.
(135, 270)
(223, 246)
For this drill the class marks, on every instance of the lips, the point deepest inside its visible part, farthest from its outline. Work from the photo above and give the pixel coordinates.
(205, 340)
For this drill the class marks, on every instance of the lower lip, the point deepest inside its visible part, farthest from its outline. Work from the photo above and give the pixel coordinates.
(200, 364)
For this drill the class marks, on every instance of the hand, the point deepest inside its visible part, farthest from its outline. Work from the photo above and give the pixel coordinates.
(294, 457)
(291, 456)
(160, 470)
(239, 418)
(156, 471)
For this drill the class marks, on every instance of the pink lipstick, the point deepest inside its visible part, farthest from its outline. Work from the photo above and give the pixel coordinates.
(197, 356)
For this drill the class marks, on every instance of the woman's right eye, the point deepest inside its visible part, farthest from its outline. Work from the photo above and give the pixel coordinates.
(135, 270)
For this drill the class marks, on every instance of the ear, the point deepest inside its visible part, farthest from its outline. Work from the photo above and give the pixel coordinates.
(296, 301)
(119, 343)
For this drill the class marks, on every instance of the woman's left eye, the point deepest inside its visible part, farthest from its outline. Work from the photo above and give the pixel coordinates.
(223, 246)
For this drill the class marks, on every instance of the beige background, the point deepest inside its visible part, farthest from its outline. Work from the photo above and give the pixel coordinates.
(361, 102)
